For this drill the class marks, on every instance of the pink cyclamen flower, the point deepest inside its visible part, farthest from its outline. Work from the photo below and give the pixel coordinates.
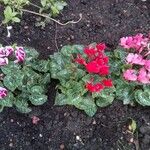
(126, 42)
(147, 65)
(3, 92)
(3, 61)
(20, 54)
(8, 50)
(140, 42)
(135, 59)
(143, 76)
(130, 75)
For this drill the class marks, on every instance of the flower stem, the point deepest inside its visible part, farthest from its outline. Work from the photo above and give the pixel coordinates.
(46, 16)
(34, 5)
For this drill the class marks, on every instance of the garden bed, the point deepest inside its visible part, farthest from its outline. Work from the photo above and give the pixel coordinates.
(66, 127)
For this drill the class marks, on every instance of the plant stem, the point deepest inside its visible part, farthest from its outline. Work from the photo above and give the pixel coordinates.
(46, 16)
(34, 5)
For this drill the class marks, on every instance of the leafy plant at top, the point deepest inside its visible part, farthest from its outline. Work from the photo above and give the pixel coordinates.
(83, 74)
(52, 6)
(15, 8)
(23, 78)
(131, 70)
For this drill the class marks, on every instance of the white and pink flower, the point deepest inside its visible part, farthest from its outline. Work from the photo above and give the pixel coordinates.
(9, 50)
(3, 61)
(20, 54)
(3, 92)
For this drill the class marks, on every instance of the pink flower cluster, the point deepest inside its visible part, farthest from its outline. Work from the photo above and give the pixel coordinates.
(137, 42)
(8, 51)
(137, 58)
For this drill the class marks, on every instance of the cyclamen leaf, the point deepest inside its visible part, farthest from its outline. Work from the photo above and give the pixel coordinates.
(38, 99)
(40, 65)
(10, 68)
(22, 105)
(45, 79)
(37, 90)
(7, 101)
(30, 54)
(13, 81)
(105, 97)
(124, 91)
(143, 97)
(87, 104)
(69, 50)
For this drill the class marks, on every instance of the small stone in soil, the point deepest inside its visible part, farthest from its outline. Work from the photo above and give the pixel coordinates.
(145, 129)
(10, 144)
(40, 135)
(146, 139)
(62, 146)
(94, 122)
(11, 120)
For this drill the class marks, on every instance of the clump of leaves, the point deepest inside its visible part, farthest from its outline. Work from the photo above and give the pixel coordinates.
(83, 74)
(130, 70)
(23, 78)
(53, 7)
(15, 8)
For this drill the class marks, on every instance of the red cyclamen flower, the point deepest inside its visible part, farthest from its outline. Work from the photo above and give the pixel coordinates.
(107, 82)
(92, 67)
(101, 46)
(104, 70)
(94, 87)
(80, 60)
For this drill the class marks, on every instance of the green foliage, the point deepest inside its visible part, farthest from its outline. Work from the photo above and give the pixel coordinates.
(73, 78)
(10, 15)
(52, 6)
(26, 82)
(13, 9)
(143, 96)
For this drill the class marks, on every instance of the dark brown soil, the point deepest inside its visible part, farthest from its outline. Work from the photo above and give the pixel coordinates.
(66, 127)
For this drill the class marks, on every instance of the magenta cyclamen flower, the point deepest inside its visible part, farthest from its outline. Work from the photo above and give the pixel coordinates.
(130, 75)
(3, 92)
(3, 61)
(20, 54)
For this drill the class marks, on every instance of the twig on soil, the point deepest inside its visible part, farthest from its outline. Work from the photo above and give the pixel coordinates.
(56, 38)
(45, 16)
(34, 5)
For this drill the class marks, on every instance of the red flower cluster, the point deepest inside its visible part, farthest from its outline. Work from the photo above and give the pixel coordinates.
(97, 63)
(99, 86)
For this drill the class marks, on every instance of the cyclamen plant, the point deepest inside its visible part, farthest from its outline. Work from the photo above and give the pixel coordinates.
(133, 69)
(23, 78)
(83, 73)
